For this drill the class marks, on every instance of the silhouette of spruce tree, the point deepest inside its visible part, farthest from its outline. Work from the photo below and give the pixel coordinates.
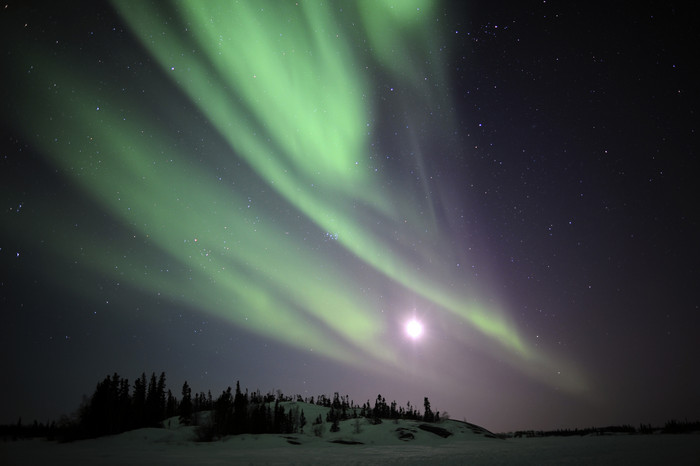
(427, 414)
(302, 421)
(124, 412)
(153, 402)
(138, 403)
(240, 411)
(185, 409)
(161, 400)
(223, 413)
(170, 405)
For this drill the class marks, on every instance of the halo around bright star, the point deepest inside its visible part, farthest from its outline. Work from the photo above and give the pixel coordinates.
(414, 329)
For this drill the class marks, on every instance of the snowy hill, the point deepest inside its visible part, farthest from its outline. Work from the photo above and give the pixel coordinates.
(362, 431)
(355, 431)
(358, 441)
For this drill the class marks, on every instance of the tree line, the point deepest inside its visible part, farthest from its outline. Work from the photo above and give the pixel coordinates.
(670, 427)
(117, 406)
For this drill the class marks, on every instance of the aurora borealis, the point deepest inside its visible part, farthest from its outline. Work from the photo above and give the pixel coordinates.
(270, 191)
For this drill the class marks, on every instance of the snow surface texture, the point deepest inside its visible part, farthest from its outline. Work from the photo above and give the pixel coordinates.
(147, 447)
(391, 442)
(163, 447)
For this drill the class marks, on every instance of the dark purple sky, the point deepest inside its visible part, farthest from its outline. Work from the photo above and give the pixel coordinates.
(519, 176)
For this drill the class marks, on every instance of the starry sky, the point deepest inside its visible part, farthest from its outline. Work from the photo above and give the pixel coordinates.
(270, 191)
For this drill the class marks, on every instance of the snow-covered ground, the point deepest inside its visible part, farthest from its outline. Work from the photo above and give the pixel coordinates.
(373, 444)
(159, 447)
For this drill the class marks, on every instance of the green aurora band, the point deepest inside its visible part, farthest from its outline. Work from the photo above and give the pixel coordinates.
(284, 87)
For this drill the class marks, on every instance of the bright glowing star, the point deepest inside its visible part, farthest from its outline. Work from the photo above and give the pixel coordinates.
(414, 329)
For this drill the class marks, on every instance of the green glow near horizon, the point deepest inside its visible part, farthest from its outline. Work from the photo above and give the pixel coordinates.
(284, 88)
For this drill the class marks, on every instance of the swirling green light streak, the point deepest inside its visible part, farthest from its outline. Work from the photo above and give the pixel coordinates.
(283, 86)
(293, 76)
(201, 229)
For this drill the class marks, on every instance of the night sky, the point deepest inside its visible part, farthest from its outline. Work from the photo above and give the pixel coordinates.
(270, 191)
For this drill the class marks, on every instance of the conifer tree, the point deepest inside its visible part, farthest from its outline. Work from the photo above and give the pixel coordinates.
(138, 402)
(302, 421)
(162, 399)
(124, 406)
(170, 405)
(240, 411)
(318, 426)
(428, 414)
(152, 402)
(185, 410)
